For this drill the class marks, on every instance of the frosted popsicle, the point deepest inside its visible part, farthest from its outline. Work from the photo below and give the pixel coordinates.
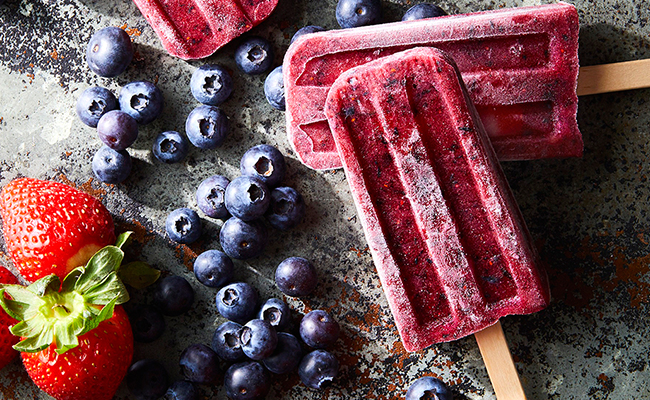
(193, 29)
(520, 66)
(450, 246)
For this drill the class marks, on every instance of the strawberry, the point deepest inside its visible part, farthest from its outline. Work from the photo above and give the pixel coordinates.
(7, 354)
(77, 342)
(52, 228)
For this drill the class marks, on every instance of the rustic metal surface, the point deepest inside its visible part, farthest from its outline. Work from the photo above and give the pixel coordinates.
(588, 216)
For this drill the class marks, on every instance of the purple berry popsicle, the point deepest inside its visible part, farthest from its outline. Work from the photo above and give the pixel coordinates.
(450, 245)
(520, 66)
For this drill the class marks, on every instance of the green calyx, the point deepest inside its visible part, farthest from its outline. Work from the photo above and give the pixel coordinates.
(50, 311)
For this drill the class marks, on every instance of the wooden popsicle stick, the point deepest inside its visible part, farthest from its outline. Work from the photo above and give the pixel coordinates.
(614, 77)
(498, 361)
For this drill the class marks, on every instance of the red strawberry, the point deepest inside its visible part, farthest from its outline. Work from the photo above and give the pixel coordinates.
(77, 344)
(52, 228)
(7, 339)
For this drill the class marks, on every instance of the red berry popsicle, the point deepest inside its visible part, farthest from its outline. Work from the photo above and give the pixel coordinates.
(450, 246)
(193, 29)
(520, 66)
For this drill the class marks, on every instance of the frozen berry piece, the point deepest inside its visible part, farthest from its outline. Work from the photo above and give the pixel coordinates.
(109, 52)
(211, 84)
(93, 103)
(274, 89)
(265, 162)
(183, 390)
(254, 56)
(170, 147)
(276, 312)
(423, 10)
(147, 379)
(428, 387)
(200, 364)
(142, 100)
(318, 368)
(226, 343)
(117, 130)
(183, 225)
(247, 197)
(213, 268)
(318, 329)
(305, 30)
(287, 208)
(296, 277)
(353, 13)
(237, 302)
(242, 240)
(258, 339)
(206, 127)
(247, 380)
(147, 322)
(210, 196)
(173, 295)
(286, 356)
(111, 166)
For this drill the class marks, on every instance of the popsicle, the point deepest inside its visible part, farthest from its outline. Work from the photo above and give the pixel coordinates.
(193, 29)
(447, 238)
(520, 66)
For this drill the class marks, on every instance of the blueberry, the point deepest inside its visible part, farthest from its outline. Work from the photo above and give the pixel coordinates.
(183, 390)
(210, 196)
(117, 130)
(318, 368)
(247, 197)
(142, 100)
(242, 240)
(183, 225)
(258, 339)
(318, 329)
(211, 84)
(423, 10)
(93, 103)
(286, 356)
(111, 166)
(296, 277)
(200, 364)
(226, 343)
(305, 30)
(353, 13)
(287, 208)
(206, 127)
(254, 56)
(147, 323)
(274, 89)
(213, 268)
(147, 379)
(237, 302)
(173, 295)
(109, 52)
(170, 147)
(266, 162)
(428, 387)
(276, 312)
(247, 380)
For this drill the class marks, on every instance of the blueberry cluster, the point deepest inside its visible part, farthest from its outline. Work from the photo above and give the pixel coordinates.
(255, 341)
(108, 54)
(147, 378)
(243, 203)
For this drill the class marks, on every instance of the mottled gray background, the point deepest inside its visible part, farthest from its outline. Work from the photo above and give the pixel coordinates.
(588, 215)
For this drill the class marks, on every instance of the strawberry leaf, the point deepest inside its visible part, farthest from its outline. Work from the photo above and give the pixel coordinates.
(37, 342)
(105, 261)
(110, 289)
(71, 279)
(138, 274)
(65, 338)
(23, 304)
(15, 309)
(123, 238)
(47, 284)
(104, 314)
